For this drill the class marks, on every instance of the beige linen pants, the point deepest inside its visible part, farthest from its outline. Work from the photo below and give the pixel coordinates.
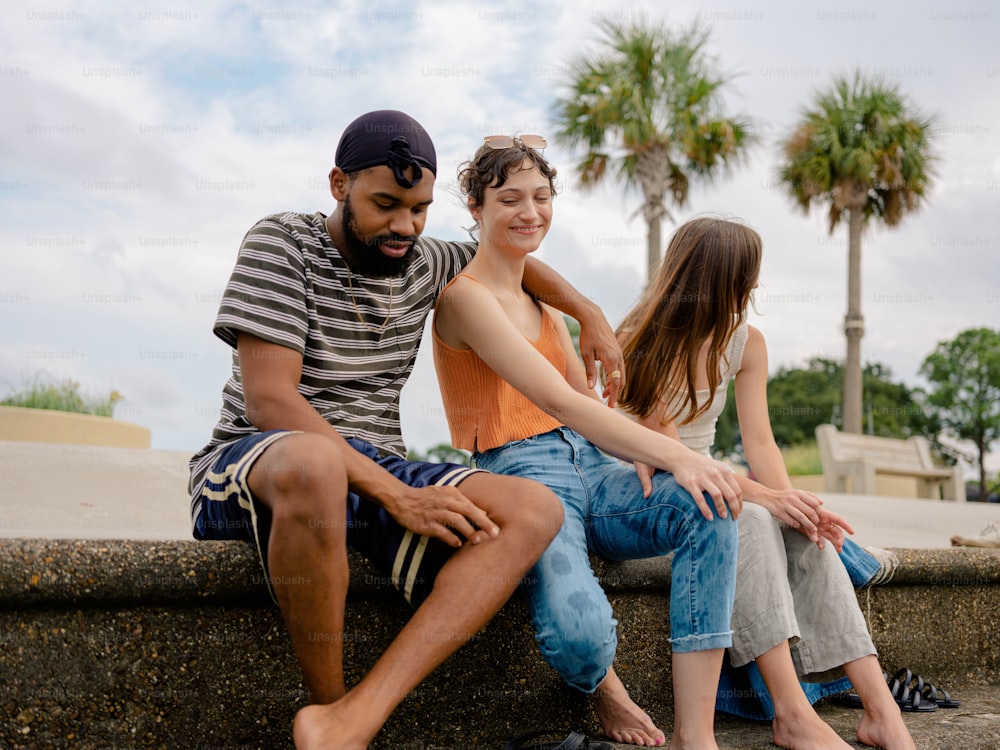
(789, 589)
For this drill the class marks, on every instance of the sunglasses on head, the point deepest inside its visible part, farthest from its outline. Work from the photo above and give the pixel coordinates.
(500, 142)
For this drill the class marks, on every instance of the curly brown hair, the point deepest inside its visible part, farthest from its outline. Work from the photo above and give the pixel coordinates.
(491, 167)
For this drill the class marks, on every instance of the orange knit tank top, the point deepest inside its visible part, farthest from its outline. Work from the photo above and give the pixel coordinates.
(483, 410)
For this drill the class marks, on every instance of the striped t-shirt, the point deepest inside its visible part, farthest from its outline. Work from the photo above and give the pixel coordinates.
(358, 336)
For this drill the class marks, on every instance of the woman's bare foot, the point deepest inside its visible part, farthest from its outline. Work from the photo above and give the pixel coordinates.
(805, 730)
(886, 730)
(621, 719)
(320, 727)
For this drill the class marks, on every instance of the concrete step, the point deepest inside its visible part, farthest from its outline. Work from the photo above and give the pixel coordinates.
(117, 643)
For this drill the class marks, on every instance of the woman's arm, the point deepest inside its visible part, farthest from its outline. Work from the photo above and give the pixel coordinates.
(470, 315)
(800, 509)
(597, 339)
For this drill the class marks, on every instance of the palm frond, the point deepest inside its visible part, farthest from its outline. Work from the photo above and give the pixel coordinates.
(860, 146)
(649, 87)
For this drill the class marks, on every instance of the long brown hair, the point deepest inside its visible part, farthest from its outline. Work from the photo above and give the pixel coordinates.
(700, 292)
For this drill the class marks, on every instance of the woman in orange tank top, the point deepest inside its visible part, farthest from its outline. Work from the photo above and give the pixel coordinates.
(516, 394)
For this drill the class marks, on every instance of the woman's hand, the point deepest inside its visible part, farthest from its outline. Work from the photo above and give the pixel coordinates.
(701, 475)
(804, 512)
(832, 528)
(796, 508)
(645, 474)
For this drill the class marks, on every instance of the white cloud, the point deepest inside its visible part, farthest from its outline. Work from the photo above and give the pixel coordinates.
(140, 144)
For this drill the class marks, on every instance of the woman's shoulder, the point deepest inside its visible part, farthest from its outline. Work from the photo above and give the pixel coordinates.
(462, 286)
(754, 352)
(754, 337)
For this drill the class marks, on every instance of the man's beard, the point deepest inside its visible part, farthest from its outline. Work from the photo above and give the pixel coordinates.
(363, 254)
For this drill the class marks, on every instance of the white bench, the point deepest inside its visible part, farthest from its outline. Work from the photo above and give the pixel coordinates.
(860, 458)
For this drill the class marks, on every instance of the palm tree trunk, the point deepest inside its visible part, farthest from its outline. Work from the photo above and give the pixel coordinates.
(653, 244)
(652, 170)
(854, 327)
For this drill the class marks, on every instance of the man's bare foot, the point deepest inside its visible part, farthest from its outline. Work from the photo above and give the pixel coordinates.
(888, 731)
(621, 719)
(321, 727)
(805, 730)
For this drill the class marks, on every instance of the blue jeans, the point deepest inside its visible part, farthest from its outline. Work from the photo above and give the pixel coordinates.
(861, 566)
(605, 513)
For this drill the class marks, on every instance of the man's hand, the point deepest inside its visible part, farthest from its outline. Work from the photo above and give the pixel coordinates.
(443, 513)
(599, 344)
(597, 339)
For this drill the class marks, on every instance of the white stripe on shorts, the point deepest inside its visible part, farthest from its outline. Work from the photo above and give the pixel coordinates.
(448, 480)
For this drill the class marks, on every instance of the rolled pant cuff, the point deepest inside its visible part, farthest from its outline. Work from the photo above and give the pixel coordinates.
(816, 662)
(704, 642)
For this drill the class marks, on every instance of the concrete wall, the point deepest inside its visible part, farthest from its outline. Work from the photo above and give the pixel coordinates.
(50, 426)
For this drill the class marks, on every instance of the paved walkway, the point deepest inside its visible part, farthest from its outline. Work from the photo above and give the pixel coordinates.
(70, 491)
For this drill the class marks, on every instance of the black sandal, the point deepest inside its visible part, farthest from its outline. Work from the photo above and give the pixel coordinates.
(909, 691)
(571, 741)
(939, 696)
(906, 689)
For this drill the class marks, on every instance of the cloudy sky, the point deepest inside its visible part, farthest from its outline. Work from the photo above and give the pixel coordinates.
(141, 141)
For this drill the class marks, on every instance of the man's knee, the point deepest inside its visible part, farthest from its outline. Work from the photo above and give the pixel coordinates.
(524, 506)
(544, 511)
(302, 476)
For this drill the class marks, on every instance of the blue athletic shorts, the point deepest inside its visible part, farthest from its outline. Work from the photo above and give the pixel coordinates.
(409, 561)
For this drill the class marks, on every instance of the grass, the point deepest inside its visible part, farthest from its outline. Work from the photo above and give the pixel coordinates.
(802, 459)
(64, 396)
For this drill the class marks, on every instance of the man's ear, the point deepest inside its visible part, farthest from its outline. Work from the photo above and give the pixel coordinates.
(475, 210)
(339, 183)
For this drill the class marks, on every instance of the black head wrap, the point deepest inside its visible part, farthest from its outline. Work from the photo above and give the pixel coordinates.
(389, 138)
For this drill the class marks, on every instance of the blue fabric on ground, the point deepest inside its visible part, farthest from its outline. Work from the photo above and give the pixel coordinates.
(742, 691)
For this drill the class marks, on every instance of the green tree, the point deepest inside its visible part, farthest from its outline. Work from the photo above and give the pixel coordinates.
(965, 389)
(648, 103)
(863, 150)
(800, 398)
(441, 453)
(574, 332)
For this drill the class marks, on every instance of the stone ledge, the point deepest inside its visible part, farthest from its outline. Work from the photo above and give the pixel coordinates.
(176, 644)
(78, 571)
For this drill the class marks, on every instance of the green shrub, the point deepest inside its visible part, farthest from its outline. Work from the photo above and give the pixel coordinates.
(802, 459)
(64, 396)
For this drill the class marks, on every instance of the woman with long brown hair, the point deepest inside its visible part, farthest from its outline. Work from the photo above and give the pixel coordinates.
(795, 613)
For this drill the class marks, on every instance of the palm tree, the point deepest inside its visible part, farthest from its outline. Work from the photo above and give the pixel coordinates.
(648, 103)
(864, 151)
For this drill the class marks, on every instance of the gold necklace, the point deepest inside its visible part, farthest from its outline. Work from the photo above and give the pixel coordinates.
(357, 311)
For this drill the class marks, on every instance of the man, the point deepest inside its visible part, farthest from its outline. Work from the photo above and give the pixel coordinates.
(325, 316)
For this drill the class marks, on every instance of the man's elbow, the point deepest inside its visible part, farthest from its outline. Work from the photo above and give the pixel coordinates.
(262, 411)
